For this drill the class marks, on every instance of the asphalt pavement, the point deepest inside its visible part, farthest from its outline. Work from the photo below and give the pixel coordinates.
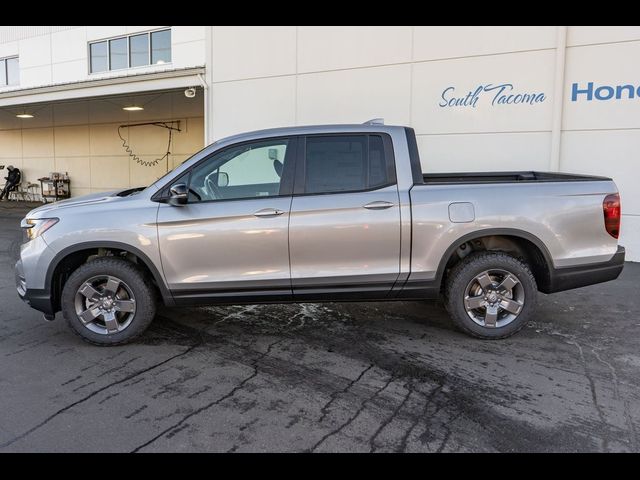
(348, 377)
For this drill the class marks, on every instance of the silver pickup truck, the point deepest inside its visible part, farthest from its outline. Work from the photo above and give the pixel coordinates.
(319, 213)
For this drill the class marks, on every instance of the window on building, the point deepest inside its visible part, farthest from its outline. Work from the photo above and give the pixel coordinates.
(99, 57)
(9, 71)
(118, 54)
(161, 47)
(149, 48)
(346, 163)
(139, 50)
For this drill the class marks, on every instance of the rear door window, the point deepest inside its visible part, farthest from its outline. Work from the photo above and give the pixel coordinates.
(345, 163)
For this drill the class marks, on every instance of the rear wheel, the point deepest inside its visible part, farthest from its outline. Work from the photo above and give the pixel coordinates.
(491, 295)
(108, 301)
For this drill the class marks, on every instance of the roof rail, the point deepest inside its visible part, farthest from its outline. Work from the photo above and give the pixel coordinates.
(374, 121)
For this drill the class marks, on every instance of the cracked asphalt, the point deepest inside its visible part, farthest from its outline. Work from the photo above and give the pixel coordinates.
(352, 377)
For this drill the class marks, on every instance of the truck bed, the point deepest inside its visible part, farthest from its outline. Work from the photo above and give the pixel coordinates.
(505, 177)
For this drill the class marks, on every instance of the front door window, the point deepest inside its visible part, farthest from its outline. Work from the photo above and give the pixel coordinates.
(251, 170)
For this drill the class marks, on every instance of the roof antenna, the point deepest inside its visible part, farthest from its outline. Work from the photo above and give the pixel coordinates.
(374, 121)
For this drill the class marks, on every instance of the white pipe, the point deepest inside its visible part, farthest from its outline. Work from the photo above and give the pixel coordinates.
(558, 99)
(208, 93)
(205, 88)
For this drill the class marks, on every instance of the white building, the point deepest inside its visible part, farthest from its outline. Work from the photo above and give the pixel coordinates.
(479, 98)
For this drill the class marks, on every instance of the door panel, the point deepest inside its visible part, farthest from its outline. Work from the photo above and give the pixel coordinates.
(231, 239)
(336, 243)
(344, 232)
(223, 245)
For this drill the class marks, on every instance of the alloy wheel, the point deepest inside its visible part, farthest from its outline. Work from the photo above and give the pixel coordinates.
(105, 304)
(494, 298)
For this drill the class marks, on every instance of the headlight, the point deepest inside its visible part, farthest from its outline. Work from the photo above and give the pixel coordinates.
(34, 227)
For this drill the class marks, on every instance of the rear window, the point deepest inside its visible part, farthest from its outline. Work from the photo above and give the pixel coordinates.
(345, 163)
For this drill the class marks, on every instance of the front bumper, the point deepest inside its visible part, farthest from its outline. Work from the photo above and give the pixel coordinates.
(40, 299)
(561, 279)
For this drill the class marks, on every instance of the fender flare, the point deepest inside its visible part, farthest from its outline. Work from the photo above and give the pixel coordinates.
(510, 232)
(64, 253)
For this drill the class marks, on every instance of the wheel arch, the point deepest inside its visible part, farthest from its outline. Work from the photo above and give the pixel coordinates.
(536, 252)
(74, 253)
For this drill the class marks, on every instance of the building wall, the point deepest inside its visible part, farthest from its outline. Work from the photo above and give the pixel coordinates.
(602, 137)
(81, 138)
(262, 77)
(274, 76)
(54, 55)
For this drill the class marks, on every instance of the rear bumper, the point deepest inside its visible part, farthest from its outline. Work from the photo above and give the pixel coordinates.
(561, 279)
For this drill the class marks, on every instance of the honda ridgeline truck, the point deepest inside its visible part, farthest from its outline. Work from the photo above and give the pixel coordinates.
(319, 213)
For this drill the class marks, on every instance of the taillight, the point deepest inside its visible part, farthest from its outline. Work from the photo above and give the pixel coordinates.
(611, 209)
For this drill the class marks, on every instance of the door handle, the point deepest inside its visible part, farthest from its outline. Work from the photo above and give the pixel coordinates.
(378, 205)
(268, 212)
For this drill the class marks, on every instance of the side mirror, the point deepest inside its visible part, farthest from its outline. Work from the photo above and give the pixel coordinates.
(179, 195)
(223, 179)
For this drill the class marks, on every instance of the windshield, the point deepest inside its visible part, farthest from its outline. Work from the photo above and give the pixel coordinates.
(177, 166)
(166, 174)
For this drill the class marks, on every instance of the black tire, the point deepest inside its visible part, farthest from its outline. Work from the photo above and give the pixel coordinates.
(136, 280)
(473, 265)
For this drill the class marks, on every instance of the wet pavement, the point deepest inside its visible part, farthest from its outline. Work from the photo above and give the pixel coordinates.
(355, 377)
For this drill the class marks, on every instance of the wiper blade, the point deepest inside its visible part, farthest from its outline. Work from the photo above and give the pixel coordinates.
(130, 191)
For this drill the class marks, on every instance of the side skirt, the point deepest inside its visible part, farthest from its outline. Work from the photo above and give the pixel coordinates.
(351, 293)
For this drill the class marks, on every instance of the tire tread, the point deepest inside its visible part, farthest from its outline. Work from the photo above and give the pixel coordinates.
(457, 280)
(144, 292)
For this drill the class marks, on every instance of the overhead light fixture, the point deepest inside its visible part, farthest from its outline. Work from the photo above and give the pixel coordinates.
(133, 108)
(24, 115)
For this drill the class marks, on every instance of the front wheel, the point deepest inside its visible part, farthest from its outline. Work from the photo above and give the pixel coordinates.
(108, 301)
(491, 295)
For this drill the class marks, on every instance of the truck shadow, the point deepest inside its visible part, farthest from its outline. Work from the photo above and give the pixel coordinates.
(294, 319)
